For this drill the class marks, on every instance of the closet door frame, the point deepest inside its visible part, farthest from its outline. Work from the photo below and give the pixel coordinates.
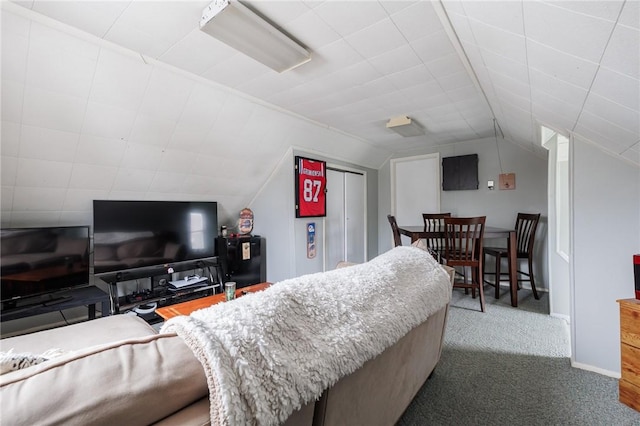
(346, 243)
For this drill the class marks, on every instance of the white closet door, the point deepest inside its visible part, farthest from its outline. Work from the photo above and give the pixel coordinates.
(334, 221)
(355, 217)
(345, 223)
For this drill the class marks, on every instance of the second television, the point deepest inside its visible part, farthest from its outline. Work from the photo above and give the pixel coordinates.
(137, 234)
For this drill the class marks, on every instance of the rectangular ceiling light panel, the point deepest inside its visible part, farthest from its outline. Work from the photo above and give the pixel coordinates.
(405, 126)
(236, 25)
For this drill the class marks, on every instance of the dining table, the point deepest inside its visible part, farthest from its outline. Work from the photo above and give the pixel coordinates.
(417, 232)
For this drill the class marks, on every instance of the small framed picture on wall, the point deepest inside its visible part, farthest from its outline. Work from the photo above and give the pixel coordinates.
(311, 184)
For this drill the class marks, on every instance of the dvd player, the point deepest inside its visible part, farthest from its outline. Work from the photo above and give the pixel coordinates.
(189, 281)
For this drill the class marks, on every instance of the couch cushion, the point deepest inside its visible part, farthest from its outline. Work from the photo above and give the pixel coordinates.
(82, 335)
(135, 381)
(195, 414)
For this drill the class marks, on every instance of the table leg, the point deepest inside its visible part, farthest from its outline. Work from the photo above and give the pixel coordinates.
(105, 309)
(513, 277)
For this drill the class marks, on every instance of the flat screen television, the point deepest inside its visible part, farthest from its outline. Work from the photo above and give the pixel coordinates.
(130, 236)
(460, 173)
(39, 261)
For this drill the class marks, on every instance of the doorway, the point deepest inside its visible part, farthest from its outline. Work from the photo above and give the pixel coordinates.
(345, 223)
(415, 188)
(559, 237)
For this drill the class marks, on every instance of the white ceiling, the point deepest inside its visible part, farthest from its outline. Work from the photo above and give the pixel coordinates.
(139, 127)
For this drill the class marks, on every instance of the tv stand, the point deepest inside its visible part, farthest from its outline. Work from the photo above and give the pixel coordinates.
(89, 296)
(56, 300)
(161, 295)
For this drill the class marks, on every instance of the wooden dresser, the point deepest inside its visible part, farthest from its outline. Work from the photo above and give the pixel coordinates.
(629, 385)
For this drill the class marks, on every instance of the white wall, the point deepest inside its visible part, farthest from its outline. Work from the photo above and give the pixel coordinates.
(273, 208)
(606, 234)
(273, 211)
(500, 207)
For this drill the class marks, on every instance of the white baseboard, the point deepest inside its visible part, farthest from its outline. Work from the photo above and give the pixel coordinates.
(614, 374)
(505, 284)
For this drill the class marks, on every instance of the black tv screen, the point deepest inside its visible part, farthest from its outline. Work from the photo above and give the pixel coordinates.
(460, 173)
(137, 234)
(36, 261)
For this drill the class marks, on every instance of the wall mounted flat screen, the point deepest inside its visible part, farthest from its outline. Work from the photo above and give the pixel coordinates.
(136, 234)
(37, 261)
(460, 173)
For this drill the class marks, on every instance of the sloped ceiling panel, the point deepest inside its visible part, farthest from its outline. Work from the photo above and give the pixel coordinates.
(368, 57)
(572, 66)
(82, 120)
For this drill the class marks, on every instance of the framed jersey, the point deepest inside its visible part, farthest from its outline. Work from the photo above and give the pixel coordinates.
(311, 184)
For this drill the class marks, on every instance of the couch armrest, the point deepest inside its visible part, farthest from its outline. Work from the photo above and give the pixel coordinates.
(133, 381)
(82, 335)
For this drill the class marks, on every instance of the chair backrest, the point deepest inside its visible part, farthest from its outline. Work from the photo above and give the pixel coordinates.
(434, 222)
(526, 225)
(397, 241)
(463, 240)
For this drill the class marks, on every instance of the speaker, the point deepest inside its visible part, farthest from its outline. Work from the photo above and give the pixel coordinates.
(636, 273)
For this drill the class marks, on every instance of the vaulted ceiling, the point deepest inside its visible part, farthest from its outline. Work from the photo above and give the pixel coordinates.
(129, 99)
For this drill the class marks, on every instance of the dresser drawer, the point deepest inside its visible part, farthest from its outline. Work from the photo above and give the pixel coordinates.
(629, 384)
(630, 364)
(630, 323)
(629, 394)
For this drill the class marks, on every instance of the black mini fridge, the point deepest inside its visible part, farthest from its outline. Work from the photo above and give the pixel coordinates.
(243, 258)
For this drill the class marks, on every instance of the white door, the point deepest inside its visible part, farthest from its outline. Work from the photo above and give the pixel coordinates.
(345, 223)
(355, 217)
(559, 223)
(415, 188)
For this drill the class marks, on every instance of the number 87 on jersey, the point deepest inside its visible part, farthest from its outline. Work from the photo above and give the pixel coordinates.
(311, 184)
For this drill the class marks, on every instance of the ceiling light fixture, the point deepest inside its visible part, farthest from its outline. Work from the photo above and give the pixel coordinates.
(236, 25)
(405, 126)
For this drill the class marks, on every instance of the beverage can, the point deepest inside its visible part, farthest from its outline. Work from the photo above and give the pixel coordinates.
(230, 290)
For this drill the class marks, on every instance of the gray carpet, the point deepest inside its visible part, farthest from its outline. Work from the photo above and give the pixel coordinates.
(510, 366)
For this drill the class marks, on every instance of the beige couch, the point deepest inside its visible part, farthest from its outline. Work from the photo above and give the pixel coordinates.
(118, 370)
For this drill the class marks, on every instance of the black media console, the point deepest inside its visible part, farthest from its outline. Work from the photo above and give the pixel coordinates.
(90, 296)
(160, 293)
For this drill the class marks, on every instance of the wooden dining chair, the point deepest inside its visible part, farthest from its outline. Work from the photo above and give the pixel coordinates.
(397, 241)
(463, 248)
(434, 222)
(526, 225)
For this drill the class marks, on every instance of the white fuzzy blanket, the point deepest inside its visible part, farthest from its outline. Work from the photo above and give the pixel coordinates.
(268, 353)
